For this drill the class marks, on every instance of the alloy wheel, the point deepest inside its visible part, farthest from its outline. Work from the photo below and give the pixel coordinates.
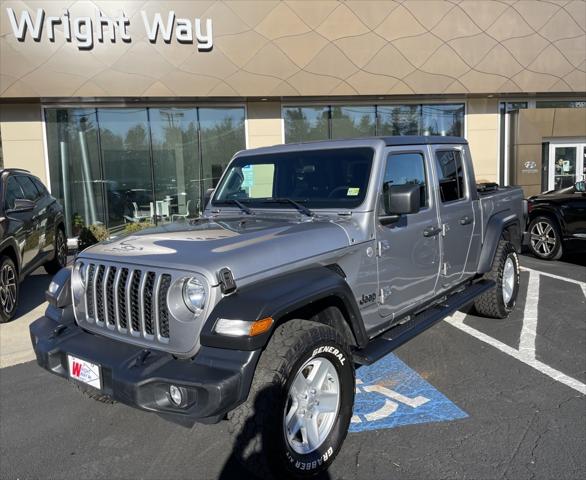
(543, 238)
(508, 280)
(61, 247)
(312, 405)
(7, 288)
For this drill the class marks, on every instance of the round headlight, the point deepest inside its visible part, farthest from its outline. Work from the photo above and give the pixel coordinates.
(78, 279)
(194, 295)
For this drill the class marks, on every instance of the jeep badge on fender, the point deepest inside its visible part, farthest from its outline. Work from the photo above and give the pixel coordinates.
(308, 260)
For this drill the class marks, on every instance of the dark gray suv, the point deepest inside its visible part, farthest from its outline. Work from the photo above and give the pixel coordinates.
(32, 233)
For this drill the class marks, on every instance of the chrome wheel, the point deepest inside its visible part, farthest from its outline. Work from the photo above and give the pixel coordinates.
(312, 405)
(543, 238)
(7, 289)
(61, 248)
(508, 280)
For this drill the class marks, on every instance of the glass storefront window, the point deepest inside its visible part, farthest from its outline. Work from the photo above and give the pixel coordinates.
(74, 163)
(175, 162)
(304, 124)
(222, 131)
(442, 119)
(115, 166)
(353, 121)
(399, 120)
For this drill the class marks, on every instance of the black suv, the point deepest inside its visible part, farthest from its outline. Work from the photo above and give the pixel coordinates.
(32, 233)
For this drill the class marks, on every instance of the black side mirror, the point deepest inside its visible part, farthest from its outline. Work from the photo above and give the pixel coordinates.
(22, 205)
(401, 199)
(207, 197)
(580, 186)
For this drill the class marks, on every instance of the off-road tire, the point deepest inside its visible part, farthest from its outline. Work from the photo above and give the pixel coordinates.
(8, 306)
(59, 260)
(557, 249)
(260, 444)
(491, 303)
(91, 393)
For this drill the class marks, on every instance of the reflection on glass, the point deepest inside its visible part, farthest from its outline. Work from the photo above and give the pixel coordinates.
(72, 143)
(352, 122)
(125, 143)
(175, 162)
(303, 124)
(560, 104)
(399, 120)
(442, 119)
(222, 135)
(565, 167)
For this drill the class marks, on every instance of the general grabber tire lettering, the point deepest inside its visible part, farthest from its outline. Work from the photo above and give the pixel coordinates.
(92, 393)
(500, 300)
(302, 356)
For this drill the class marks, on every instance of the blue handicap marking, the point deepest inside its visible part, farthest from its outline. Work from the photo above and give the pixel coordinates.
(390, 394)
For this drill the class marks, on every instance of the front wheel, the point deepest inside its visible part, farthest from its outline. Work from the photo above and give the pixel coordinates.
(300, 403)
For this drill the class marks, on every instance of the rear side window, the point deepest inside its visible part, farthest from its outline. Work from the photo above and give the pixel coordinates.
(450, 173)
(13, 192)
(407, 169)
(40, 187)
(28, 187)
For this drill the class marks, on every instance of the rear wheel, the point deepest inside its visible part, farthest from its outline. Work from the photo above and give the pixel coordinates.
(60, 255)
(545, 239)
(300, 403)
(500, 300)
(8, 289)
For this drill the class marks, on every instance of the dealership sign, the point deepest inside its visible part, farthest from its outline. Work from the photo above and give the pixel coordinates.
(86, 31)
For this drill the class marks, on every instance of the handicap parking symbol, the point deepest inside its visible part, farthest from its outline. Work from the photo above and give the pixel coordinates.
(390, 394)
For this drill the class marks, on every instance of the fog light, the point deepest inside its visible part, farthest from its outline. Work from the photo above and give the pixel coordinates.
(176, 395)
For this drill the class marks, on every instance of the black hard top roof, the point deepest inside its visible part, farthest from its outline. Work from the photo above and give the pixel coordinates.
(422, 140)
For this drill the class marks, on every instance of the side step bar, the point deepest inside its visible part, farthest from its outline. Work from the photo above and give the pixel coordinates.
(396, 336)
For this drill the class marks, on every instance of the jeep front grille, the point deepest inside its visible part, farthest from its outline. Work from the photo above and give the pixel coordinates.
(129, 301)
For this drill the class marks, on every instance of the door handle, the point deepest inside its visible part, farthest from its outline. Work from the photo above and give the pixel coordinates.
(431, 231)
(465, 220)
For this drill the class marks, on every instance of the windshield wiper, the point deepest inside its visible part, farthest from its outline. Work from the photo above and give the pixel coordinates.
(239, 204)
(302, 208)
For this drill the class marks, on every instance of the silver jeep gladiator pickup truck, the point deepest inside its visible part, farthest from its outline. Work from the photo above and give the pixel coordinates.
(310, 259)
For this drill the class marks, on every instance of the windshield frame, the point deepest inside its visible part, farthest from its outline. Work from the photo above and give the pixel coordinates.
(264, 203)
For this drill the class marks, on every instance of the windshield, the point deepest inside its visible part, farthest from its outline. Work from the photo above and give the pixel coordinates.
(334, 178)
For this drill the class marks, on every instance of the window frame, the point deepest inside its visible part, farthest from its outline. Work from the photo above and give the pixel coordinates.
(8, 178)
(383, 219)
(466, 195)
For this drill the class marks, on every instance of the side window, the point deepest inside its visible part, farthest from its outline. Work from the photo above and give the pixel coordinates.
(28, 187)
(13, 191)
(450, 173)
(407, 168)
(40, 187)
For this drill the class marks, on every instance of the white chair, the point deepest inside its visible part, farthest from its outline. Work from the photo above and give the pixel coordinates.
(175, 216)
(137, 215)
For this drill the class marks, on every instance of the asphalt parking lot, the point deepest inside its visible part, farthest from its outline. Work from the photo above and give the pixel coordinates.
(470, 398)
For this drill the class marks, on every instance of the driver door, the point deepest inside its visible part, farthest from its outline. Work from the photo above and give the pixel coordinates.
(408, 248)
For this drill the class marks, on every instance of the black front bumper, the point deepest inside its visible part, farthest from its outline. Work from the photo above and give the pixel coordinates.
(213, 382)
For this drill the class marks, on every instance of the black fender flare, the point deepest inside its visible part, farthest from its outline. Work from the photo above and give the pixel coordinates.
(277, 297)
(494, 230)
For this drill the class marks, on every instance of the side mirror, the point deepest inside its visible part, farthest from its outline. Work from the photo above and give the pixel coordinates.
(207, 196)
(580, 186)
(401, 199)
(22, 205)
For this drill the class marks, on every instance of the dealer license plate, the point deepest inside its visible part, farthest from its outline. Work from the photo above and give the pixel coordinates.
(84, 371)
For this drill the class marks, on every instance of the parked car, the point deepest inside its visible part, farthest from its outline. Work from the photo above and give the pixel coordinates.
(557, 219)
(32, 233)
(309, 259)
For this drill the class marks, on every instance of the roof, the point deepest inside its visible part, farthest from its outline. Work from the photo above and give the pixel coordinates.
(21, 170)
(423, 140)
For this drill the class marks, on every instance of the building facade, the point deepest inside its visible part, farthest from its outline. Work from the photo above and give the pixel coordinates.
(132, 109)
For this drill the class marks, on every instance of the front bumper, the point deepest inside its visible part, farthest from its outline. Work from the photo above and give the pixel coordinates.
(214, 382)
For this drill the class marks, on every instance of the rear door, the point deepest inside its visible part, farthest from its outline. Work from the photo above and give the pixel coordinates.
(408, 256)
(454, 198)
(23, 221)
(37, 238)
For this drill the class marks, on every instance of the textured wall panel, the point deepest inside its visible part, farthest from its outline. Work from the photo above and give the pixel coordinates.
(266, 48)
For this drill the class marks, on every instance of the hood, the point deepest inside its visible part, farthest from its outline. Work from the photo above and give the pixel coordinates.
(553, 193)
(247, 245)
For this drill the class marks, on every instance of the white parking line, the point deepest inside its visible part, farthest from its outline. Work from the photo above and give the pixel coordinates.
(457, 320)
(529, 330)
(558, 277)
